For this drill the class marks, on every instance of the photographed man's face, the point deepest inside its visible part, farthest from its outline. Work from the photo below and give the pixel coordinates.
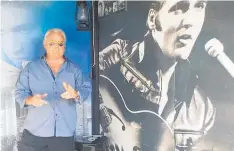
(100, 9)
(181, 23)
(55, 45)
(19, 32)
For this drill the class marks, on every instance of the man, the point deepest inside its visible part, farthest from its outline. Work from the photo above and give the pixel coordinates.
(16, 30)
(50, 87)
(157, 70)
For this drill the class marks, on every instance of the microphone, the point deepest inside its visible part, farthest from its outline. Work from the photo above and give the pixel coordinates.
(215, 49)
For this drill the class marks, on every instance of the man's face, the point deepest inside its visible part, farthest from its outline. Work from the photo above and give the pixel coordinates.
(55, 45)
(181, 23)
(20, 33)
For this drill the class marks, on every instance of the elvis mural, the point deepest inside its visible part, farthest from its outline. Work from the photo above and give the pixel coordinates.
(166, 75)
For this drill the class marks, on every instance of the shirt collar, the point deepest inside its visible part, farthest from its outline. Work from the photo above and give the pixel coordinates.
(43, 57)
(63, 66)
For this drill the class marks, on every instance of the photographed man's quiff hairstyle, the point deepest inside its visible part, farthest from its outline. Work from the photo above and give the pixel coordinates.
(156, 5)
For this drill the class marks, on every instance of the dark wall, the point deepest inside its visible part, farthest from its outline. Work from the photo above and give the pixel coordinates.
(198, 109)
(214, 79)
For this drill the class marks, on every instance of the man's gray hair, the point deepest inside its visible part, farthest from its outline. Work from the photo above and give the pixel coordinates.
(56, 30)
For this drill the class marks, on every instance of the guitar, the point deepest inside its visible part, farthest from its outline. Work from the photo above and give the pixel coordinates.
(129, 128)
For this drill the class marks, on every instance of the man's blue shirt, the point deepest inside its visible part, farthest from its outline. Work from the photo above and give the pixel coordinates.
(58, 117)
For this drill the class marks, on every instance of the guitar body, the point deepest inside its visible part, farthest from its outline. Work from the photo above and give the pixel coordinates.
(128, 123)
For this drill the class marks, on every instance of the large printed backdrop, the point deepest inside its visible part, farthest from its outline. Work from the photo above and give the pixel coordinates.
(23, 25)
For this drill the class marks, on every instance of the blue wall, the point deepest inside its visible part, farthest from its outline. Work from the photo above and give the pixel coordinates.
(26, 23)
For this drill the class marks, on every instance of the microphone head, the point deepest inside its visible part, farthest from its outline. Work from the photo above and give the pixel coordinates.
(214, 47)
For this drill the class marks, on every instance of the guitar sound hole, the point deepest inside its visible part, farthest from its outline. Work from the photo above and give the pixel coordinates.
(123, 128)
(136, 148)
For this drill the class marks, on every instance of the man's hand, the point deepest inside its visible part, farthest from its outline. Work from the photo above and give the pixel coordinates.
(36, 100)
(69, 93)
